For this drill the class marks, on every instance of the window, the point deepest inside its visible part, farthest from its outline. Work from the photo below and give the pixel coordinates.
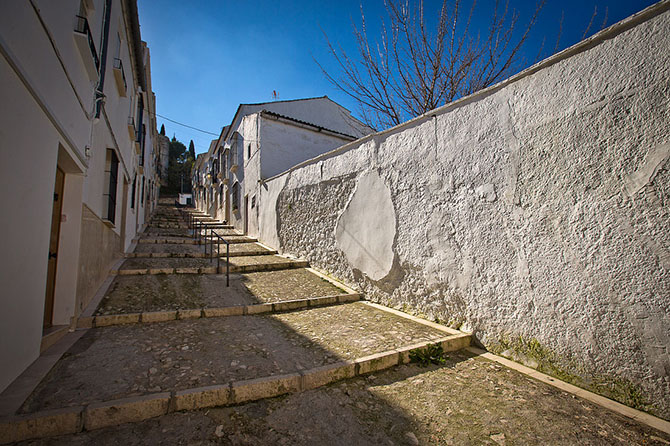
(111, 173)
(236, 195)
(249, 151)
(221, 195)
(117, 54)
(236, 151)
(253, 202)
(132, 193)
(142, 193)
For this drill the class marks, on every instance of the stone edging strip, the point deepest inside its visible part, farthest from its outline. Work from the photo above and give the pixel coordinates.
(234, 269)
(197, 313)
(72, 420)
(637, 415)
(192, 255)
(415, 319)
(335, 282)
(190, 241)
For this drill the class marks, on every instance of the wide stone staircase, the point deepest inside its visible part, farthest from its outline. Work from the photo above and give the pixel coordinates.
(200, 315)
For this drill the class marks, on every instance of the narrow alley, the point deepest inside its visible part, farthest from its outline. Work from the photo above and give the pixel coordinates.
(171, 354)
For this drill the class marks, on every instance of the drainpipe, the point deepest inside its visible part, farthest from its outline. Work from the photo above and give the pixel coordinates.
(99, 95)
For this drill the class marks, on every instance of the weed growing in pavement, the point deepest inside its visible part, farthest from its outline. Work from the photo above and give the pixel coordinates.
(431, 354)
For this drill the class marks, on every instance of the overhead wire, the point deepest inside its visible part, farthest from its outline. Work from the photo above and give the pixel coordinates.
(185, 125)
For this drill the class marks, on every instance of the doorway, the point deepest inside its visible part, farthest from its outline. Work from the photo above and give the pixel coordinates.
(246, 214)
(53, 248)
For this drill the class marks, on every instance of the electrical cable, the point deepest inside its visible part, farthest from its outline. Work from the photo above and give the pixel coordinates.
(186, 125)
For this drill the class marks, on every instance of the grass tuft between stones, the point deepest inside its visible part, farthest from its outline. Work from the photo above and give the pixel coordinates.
(431, 354)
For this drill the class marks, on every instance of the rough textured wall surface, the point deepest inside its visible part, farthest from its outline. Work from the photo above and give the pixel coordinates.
(534, 214)
(100, 248)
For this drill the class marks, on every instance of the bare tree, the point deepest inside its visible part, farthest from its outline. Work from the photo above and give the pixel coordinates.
(411, 69)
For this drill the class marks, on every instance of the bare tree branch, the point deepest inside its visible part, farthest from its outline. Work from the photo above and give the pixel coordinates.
(593, 16)
(413, 68)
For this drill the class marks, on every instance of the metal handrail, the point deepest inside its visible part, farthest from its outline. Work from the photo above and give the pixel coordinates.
(209, 240)
(220, 239)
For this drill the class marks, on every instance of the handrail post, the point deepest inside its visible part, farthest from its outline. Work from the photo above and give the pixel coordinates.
(227, 264)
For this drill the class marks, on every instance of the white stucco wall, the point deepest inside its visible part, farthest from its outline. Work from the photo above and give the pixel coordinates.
(22, 277)
(534, 214)
(284, 145)
(320, 111)
(48, 122)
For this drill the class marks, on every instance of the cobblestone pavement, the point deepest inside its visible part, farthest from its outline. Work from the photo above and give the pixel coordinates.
(165, 292)
(121, 361)
(467, 401)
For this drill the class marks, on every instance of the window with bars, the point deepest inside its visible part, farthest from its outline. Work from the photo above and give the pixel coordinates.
(236, 196)
(111, 173)
(132, 193)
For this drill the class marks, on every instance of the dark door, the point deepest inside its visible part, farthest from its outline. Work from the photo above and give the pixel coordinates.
(53, 248)
(246, 214)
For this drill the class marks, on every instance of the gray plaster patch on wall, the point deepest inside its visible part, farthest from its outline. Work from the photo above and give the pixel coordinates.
(367, 227)
(535, 213)
(653, 162)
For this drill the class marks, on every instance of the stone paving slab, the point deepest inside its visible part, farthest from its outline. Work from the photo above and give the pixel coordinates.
(166, 240)
(262, 260)
(244, 249)
(123, 361)
(136, 294)
(467, 401)
(143, 248)
(169, 262)
(186, 265)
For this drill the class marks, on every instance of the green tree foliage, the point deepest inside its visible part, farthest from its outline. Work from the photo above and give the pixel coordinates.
(191, 150)
(179, 168)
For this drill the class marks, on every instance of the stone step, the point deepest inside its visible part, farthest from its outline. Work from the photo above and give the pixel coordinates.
(240, 264)
(154, 293)
(148, 317)
(119, 374)
(196, 251)
(191, 241)
(186, 232)
(175, 225)
(167, 232)
(214, 225)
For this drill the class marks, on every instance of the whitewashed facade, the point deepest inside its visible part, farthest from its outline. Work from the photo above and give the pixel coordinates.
(78, 137)
(262, 141)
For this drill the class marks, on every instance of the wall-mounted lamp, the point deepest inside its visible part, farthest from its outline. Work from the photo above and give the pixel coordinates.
(87, 151)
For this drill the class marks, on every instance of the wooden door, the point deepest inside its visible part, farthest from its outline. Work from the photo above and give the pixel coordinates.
(53, 248)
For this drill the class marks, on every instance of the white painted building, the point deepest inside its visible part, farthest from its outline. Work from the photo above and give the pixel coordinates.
(78, 136)
(262, 141)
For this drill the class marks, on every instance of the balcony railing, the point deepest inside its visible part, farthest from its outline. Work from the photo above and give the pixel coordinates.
(83, 28)
(120, 76)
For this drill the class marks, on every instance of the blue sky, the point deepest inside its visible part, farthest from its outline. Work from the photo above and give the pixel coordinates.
(207, 57)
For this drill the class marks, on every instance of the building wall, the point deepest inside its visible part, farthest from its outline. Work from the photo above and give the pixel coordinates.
(50, 124)
(248, 129)
(534, 214)
(30, 154)
(100, 248)
(285, 145)
(281, 145)
(320, 111)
